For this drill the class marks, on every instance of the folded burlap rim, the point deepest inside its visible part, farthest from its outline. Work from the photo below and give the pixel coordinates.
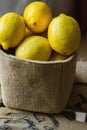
(36, 61)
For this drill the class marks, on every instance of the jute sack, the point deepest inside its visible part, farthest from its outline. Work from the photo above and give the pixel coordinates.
(34, 85)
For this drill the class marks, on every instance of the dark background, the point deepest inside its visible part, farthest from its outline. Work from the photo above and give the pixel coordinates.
(75, 8)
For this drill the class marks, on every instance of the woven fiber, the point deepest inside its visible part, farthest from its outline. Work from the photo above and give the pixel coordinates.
(36, 86)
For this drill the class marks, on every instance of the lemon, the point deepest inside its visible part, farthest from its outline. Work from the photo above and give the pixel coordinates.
(64, 34)
(57, 56)
(28, 33)
(37, 16)
(34, 48)
(12, 30)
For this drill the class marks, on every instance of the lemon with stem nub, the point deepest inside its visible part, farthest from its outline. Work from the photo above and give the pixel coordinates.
(12, 30)
(37, 16)
(64, 34)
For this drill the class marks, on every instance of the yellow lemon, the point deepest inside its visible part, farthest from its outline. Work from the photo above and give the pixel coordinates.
(37, 16)
(12, 30)
(64, 34)
(34, 48)
(56, 56)
(28, 33)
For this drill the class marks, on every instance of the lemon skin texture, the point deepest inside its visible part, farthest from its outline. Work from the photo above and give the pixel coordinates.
(64, 34)
(37, 16)
(57, 56)
(28, 33)
(12, 30)
(34, 48)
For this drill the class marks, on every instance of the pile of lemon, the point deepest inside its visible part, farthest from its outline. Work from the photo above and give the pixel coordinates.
(37, 35)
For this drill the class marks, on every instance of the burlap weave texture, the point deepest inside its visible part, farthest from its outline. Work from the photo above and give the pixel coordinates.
(36, 86)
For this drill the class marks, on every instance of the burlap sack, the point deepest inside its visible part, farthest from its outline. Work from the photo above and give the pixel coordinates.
(36, 86)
